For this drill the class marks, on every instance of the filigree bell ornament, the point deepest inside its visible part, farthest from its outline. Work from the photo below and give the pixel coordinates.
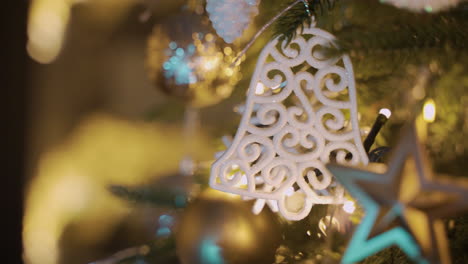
(300, 113)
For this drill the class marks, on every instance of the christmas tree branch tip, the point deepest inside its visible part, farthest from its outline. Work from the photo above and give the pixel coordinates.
(300, 14)
(155, 196)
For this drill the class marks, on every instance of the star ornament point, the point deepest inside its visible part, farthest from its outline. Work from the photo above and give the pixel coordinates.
(403, 205)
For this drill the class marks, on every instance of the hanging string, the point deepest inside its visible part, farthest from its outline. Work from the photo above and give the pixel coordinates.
(124, 254)
(266, 26)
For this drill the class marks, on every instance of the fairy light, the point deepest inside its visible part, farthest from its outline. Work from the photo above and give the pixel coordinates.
(429, 111)
(382, 118)
(386, 112)
(349, 206)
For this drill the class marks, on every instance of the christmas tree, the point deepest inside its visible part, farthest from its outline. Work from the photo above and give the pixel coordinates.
(283, 132)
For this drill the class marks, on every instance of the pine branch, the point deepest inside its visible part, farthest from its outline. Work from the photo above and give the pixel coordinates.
(444, 30)
(151, 195)
(357, 30)
(296, 17)
(383, 48)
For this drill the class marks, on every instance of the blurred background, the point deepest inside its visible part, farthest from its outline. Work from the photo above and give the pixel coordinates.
(87, 109)
(96, 119)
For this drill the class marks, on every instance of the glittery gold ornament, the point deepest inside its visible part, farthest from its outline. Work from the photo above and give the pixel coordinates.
(218, 228)
(186, 59)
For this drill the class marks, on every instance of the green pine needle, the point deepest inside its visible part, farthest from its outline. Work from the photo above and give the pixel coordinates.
(297, 16)
(151, 195)
(439, 31)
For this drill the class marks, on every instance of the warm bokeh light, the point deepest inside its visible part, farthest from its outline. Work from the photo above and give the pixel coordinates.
(328, 222)
(210, 63)
(72, 179)
(429, 111)
(48, 20)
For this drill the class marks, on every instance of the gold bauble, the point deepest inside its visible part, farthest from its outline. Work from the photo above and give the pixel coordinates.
(187, 60)
(217, 228)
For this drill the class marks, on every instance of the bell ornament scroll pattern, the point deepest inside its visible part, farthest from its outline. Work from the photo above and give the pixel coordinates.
(300, 114)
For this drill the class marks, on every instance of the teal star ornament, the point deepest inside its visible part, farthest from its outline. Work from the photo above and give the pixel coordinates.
(404, 206)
